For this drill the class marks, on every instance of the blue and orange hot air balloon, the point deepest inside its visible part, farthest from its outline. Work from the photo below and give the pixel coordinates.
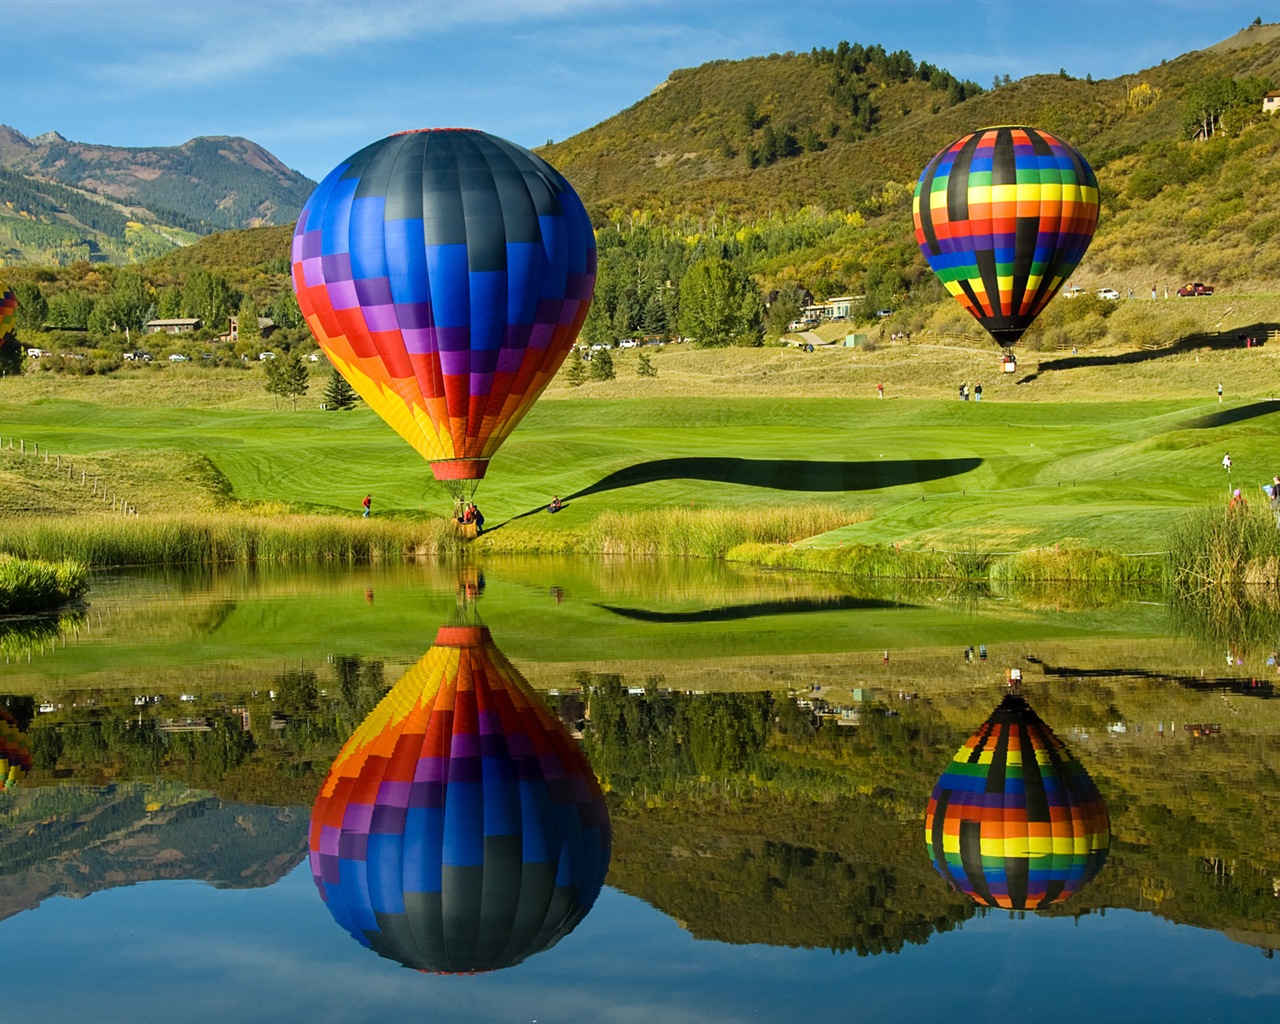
(1015, 821)
(15, 752)
(1003, 216)
(445, 273)
(461, 828)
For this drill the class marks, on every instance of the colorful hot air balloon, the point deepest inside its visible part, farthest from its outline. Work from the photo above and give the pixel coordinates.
(1015, 821)
(15, 754)
(461, 828)
(446, 274)
(1003, 216)
(8, 310)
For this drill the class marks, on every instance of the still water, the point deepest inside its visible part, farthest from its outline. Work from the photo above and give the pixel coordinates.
(665, 792)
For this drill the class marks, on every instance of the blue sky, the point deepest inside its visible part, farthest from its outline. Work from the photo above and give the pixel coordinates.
(315, 81)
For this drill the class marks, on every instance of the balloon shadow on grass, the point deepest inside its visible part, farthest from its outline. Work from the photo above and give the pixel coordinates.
(777, 474)
(785, 474)
(1213, 340)
(756, 610)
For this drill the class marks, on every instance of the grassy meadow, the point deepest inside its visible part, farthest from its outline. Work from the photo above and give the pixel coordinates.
(1110, 449)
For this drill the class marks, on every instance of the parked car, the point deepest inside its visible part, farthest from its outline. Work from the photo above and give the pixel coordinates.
(1108, 293)
(882, 313)
(265, 355)
(177, 357)
(1195, 288)
(1072, 292)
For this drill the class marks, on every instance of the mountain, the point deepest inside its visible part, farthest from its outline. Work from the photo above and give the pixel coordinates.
(76, 840)
(66, 200)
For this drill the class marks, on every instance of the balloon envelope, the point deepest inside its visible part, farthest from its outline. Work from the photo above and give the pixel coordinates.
(446, 274)
(461, 828)
(1015, 821)
(8, 310)
(1003, 216)
(15, 753)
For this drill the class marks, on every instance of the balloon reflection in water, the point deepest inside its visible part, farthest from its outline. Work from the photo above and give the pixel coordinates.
(461, 828)
(15, 754)
(1015, 821)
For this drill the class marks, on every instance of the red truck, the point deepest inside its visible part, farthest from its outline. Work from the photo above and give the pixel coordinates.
(1195, 289)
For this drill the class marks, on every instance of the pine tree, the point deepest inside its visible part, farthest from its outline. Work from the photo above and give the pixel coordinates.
(602, 365)
(645, 367)
(338, 394)
(576, 372)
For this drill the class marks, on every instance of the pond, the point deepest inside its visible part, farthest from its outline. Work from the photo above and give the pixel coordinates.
(665, 791)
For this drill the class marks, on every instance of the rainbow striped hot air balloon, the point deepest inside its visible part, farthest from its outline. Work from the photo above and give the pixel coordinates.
(446, 274)
(1003, 216)
(460, 829)
(15, 754)
(1015, 821)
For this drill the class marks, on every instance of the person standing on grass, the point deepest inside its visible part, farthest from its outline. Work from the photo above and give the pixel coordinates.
(879, 391)
(1219, 392)
(366, 505)
(977, 392)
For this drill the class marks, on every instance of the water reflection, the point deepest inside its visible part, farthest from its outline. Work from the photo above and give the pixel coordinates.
(1015, 821)
(461, 828)
(15, 752)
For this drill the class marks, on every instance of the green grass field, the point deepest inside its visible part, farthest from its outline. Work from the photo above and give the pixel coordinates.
(1104, 451)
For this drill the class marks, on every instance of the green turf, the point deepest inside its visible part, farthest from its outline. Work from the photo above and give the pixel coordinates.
(932, 472)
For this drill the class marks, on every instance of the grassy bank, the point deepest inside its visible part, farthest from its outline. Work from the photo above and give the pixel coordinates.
(873, 561)
(33, 585)
(204, 540)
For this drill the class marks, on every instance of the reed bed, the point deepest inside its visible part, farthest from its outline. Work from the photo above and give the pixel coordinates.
(206, 540)
(878, 561)
(1079, 565)
(705, 533)
(1216, 547)
(871, 561)
(34, 585)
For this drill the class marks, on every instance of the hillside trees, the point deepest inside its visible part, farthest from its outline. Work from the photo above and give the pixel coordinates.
(33, 311)
(210, 297)
(1215, 105)
(719, 305)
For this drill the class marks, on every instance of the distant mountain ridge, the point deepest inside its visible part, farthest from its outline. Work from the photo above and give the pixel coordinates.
(64, 200)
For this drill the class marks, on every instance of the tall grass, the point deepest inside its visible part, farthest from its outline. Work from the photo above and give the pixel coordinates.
(1078, 564)
(204, 540)
(705, 533)
(32, 585)
(870, 561)
(1215, 547)
(878, 561)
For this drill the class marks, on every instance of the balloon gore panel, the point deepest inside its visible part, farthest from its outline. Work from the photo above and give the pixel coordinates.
(1015, 821)
(446, 274)
(461, 828)
(1003, 216)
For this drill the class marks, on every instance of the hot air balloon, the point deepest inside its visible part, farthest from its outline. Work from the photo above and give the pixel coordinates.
(1015, 821)
(445, 273)
(15, 754)
(1003, 216)
(461, 828)
(8, 310)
